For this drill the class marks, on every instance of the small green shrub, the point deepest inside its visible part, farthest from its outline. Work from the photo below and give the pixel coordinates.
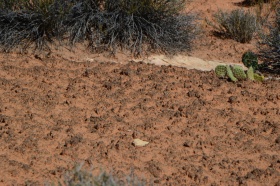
(239, 25)
(250, 59)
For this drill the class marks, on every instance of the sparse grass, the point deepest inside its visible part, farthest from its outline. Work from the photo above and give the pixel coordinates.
(239, 25)
(80, 177)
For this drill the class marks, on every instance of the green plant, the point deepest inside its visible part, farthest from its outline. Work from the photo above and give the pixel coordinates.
(250, 73)
(230, 74)
(258, 77)
(236, 73)
(221, 71)
(239, 25)
(250, 59)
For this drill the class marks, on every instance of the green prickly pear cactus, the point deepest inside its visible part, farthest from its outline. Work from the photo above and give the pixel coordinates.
(230, 74)
(250, 59)
(236, 73)
(250, 73)
(258, 77)
(221, 71)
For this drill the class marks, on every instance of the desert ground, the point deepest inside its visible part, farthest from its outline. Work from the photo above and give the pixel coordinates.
(61, 110)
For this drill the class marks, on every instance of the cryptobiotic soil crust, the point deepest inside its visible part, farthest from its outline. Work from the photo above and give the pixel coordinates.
(201, 130)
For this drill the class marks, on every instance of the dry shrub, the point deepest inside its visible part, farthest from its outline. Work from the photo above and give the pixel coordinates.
(270, 46)
(33, 23)
(135, 25)
(79, 176)
(238, 24)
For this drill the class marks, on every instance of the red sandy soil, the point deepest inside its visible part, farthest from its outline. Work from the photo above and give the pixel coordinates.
(201, 130)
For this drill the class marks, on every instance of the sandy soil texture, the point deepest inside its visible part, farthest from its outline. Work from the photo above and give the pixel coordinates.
(69, 108)
(200, 129)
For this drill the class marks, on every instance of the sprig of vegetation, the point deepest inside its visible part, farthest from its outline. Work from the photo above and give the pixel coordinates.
(79, 176)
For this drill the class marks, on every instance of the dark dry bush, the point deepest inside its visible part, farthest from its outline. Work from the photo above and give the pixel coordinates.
(238, 24)
(35, 23)
(21, 29)
(84, 21)
(13, 4)
(135, 25)
(254, 2)
(270, 46)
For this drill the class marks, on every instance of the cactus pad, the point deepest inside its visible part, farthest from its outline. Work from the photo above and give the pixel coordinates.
(238, 72)
(250, 73)
(230, 74)
(221, 71)
(258, 77)
(250, 59)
